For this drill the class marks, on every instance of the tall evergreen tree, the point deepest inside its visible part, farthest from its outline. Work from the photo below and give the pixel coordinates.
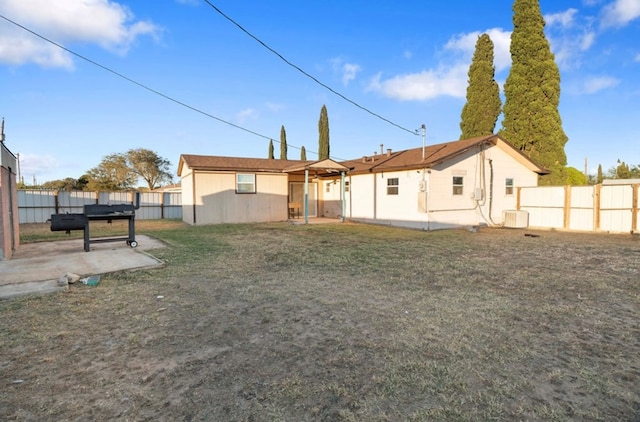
(323, 134)
(600, 176)
(531, 120)
(480, 113)
(271, 149)
(303, 154)
(283, 143)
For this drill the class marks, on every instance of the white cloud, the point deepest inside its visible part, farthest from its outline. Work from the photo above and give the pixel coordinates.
(620, 12)
(349, 72)
(425, 85)
(102, 22)
(637, 58)
(466, 43)
(16, 49)
(569, 36)
(563, 19)
(35, 166)
(246, 114)
(448, 79)
(275, 107)
(567, 47)
(598, 83)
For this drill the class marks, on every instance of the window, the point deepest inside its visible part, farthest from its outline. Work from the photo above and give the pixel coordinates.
(346, 186)
(508, 186)
(392, 186)
(327, 187)
(458, 183)
(245, 183)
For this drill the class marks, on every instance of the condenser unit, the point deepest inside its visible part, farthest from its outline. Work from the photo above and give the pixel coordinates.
(516, 219)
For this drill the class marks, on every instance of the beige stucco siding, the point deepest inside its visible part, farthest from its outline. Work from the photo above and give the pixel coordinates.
(484, 174)
(186, 183)
(215, 200)
(360, 199)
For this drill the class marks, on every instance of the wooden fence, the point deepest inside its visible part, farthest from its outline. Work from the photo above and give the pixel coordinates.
(610, 208)
(36, 206)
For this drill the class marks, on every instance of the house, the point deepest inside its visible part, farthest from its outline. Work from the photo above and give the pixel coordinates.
(460, 183)
(249, 190)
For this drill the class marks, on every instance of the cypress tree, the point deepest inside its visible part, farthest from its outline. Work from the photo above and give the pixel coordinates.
(323, 132)
(283, 143)
(480, 113)
(303, 154)
(600, 176)
(531, 120)
(270, 149)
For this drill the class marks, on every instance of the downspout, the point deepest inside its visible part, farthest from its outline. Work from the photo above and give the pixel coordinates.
(193, 194)
(306, 196)
(491, 192)
(375, 197)
(342, 195)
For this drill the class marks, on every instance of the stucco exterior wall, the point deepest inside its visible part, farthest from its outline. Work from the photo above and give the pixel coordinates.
(188, 197)
(432, 205)
(214, 199)
(360, 199)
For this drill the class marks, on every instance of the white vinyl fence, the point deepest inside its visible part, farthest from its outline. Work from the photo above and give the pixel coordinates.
(610, 208)
(36, 206)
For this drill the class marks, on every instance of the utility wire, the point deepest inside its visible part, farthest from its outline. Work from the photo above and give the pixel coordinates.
(413, 132)
(154, 91)
(165, 96)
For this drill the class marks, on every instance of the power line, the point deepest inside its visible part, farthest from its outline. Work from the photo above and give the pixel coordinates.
(165, 96)
(141, 85)
(414, 132)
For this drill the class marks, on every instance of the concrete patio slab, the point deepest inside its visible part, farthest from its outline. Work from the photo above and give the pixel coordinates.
(38, 267)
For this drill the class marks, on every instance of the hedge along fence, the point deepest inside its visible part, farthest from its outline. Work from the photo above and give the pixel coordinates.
(611, 207)
(36, 206)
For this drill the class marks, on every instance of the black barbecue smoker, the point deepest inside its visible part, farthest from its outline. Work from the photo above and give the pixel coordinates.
(103, 212)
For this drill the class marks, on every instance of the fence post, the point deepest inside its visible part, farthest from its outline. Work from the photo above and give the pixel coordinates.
(566, 222)
(634, 208)
(596, 207)
(56, 201)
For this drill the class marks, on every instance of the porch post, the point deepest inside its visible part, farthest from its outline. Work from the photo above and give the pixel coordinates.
(306, 196)
(343, 194)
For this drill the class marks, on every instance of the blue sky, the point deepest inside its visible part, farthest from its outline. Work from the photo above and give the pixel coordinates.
(406, 62)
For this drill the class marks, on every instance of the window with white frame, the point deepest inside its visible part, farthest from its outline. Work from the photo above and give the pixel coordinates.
(245, 183)
(392, 186)
(508, 186)
(458, 185)
(327, 187)
(346, 186)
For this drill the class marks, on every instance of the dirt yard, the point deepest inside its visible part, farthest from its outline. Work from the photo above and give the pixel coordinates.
(339, 322)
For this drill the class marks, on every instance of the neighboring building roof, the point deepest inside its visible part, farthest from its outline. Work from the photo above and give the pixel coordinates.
(175, 187)
(621, 181)
(432, 155)
(415, 158)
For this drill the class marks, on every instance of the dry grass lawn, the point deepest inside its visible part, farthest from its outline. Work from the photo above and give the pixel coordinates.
(340, 322)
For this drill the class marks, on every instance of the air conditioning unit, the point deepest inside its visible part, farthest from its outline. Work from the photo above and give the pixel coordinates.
(516, 219)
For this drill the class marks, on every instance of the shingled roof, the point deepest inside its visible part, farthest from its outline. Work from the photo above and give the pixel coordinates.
(392, 161)
(218, 163)
(434, 155)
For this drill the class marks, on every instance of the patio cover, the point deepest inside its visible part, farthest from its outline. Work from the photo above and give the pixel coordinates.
(326, 166)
